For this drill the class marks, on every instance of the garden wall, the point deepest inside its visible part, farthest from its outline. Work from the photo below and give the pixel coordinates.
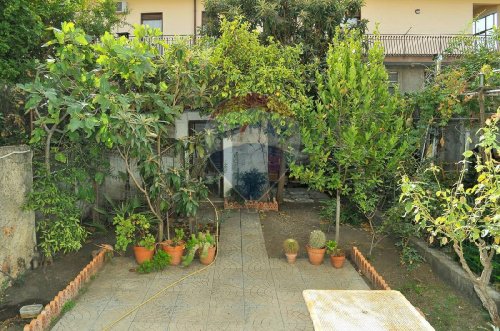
(17, 226)
(451, 272)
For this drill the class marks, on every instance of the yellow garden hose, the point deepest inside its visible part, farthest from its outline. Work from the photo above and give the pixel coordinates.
(110, 326)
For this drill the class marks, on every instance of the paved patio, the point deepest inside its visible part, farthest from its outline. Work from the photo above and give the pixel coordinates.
(243, 290)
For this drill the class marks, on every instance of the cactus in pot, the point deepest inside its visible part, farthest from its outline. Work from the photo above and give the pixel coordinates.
(291, 248)
(316, 248)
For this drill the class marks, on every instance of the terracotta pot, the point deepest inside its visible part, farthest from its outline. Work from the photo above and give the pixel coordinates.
(210, 256)
(337, 261)
(324, 225)
(175, 252)
(291, 258)
(143, 254)
(316, 255)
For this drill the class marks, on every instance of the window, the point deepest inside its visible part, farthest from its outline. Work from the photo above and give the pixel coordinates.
(393, 80)
(204, 18)
(153, 20)
(484, 26)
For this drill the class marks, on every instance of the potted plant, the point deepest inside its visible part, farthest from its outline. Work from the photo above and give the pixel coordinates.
(204, 244)
(175, 246)
(135, 230)
(291, 248)
(337, 255)
(316, 247)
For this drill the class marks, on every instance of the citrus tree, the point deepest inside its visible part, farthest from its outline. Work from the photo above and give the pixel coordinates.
(354, 135)
(465, 214)
(256, 83)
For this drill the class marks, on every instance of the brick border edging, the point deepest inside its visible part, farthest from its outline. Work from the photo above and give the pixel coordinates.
(258, 205)
(368, 270)
(53, 309)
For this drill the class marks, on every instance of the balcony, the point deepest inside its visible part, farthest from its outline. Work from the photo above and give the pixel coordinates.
(429, 45)
(395, 44)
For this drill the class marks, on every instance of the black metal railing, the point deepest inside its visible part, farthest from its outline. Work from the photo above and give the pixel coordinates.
(394, 44)
(168, 39)
(428, 45)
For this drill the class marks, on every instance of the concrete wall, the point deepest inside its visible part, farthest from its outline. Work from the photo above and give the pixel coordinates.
(436, 16)
(411, 77)
(17, 227)
(178, 15)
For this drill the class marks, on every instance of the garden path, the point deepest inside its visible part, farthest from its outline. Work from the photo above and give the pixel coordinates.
(242, 290)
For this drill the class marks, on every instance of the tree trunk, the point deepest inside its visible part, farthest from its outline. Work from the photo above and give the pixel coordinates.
(95, 213)
(281, 179)
(488, 303)
(337, 217)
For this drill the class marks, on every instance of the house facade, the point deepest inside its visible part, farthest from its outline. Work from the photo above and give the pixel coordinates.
(415, 35)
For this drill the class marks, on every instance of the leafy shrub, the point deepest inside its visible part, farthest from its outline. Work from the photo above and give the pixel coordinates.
(59, 228)
(133, 230)
(252, 185)
(159, 262)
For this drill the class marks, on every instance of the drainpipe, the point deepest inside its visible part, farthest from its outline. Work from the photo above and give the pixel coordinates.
(194, 23)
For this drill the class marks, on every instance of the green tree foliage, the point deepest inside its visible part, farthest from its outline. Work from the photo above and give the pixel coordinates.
(465, 214)
(23, 26)
(355, 134)
(252, 81)
(121, 94)
(446, 95)
(312, 23)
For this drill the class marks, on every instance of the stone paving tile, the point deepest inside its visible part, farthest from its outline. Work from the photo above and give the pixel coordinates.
(243, 290)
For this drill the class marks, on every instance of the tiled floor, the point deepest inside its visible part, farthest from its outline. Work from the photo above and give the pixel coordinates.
(243, 290)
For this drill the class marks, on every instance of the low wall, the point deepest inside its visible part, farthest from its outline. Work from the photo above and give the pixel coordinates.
(17, 226)
(451, 272)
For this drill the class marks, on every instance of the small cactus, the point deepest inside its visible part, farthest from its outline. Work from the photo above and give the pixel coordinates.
(291, 246)
(317, 239)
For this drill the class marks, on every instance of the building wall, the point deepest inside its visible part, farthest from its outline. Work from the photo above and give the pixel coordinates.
(411, 77)
(436, 17)
(178, 15)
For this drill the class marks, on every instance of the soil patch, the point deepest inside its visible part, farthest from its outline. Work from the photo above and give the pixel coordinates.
(42, 285)
(444, 307)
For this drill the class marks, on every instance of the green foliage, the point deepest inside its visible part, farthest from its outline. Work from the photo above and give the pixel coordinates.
(59, 227)
(68, 306)
(255, 83)
(250, 184)
(349, 214)
(332, 248)
(317, 239)
(160, 261)
(201, 244)
(445, 97)
(471, 255)
(355, 135)
(23, 29)
(312, 23)
(466, 214)
(123, 95)
(409, 256)
(291, 246)
(178, 239)
(135, 230)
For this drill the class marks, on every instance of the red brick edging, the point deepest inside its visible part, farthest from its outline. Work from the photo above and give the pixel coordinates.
(368, 270)
(259, 205)
(53, 308)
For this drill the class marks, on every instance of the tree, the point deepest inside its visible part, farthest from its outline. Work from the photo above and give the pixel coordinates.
(23, 25)
(355, 134)
(465, 214)
(312, 23)
(257, 83)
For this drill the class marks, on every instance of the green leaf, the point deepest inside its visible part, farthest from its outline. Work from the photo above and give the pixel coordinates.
(468, 154)
(61, 157)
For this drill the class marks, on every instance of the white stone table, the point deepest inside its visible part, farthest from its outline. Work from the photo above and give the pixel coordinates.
(339, 310)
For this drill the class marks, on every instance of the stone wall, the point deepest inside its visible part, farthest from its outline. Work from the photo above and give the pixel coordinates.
(17, 226)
